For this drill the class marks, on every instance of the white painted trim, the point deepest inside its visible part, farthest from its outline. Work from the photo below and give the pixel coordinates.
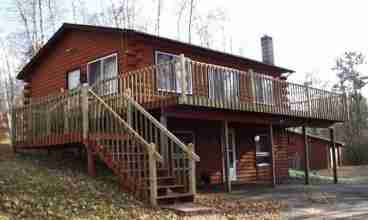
(101, 59)
(157, 52)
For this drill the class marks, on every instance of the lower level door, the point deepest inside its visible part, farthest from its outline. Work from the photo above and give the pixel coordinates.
(232, 155)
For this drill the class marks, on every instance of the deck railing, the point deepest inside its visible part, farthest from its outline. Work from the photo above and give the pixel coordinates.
(208, 85)
(181, 81)
(55, 119)
(223, 87)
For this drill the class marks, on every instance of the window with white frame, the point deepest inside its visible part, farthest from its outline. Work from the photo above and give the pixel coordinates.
(263, 156)
(168, 75)
(105, 68)
(223, 83)
(73, 79)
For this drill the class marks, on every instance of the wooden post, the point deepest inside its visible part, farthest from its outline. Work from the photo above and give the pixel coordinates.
(183, 77)
(163, 139)
(306, 156)
(13, 130)
(333, 146)
(91, 160)
(253, 85)
(84, 103)
(272, 156)
(225, 134)
(192, 172)
(309, 101)
(152, 175)
(129, 109)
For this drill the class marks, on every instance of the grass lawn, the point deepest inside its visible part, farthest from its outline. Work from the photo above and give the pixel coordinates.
(35, 186)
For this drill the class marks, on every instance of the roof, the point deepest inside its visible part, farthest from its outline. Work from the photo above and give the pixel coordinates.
(68, 26)
(320, 137)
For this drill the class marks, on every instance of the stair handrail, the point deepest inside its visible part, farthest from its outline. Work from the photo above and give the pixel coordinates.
(128, 127)
(171, 136)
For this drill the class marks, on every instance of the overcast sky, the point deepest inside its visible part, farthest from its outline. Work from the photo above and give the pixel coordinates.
(308, 35)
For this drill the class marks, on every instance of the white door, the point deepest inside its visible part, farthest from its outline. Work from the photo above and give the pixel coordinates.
(232, 155)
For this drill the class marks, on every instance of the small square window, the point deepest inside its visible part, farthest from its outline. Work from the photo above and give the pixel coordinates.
(73, 79)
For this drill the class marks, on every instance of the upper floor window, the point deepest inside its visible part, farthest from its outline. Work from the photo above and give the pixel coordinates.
(103, 69)
(168, 74)
(223, 83)
(73, 79)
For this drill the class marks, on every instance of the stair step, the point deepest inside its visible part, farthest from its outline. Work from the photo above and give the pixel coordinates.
(173, 198)
(169, 186)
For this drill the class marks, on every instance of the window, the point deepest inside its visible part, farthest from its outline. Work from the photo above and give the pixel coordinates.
(73, 79)
(223, 83)
(168, 74)
(263, 156)
(103, 69)
(263, 88)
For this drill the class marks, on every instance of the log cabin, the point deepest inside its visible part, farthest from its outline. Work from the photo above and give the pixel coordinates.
(166, 116)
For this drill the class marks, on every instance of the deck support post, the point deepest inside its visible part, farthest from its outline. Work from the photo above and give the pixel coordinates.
(273, 164)
(225, 147)
(152, 174)
(91, 162)
(306, 156)
(192, 172)
(13, 130)
(333, 147)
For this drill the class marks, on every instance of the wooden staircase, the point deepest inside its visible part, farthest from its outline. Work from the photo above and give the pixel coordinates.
(129, 140)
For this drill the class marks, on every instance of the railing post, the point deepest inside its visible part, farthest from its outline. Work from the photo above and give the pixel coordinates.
(253, 85)
(84, 103)
(192, 172)
(128, 92)
(309, 101)
(183, 77)
(152, 174)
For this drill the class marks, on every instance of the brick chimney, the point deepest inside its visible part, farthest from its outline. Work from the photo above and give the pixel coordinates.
(267, 50)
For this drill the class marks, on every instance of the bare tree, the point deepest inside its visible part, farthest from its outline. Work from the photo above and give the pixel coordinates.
(191, 9)
(37, 20)
(182, 5)
(208, 25)
(9, 88)
(158, 17)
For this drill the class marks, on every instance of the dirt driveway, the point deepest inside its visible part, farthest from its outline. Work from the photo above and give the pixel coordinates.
(327, 201)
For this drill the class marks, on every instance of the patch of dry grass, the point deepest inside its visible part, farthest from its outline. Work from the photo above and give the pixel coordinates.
(35, 186)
